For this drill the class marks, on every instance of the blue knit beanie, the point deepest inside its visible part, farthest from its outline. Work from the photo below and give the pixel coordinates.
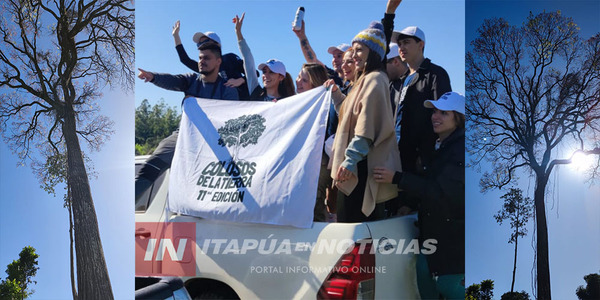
(373, 37)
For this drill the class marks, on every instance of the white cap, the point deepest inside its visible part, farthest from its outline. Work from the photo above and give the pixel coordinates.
(393, 51)
(209, 34)
(342, 47)
(275, 65)
(451, 101)
(409, 31)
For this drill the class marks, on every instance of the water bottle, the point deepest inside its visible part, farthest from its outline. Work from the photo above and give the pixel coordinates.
(298, 19)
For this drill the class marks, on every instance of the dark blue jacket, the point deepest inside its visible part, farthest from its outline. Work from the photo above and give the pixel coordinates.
(192, 85)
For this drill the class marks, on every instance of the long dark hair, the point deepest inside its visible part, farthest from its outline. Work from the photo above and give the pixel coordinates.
(286, 87)
(459, 119)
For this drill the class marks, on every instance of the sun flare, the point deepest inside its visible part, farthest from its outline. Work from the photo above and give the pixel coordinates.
(580, 161)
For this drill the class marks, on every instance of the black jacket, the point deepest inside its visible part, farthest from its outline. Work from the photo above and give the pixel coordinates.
(442, 204)
(417, 138)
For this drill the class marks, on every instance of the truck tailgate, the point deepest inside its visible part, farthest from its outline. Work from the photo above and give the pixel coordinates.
(395, 242)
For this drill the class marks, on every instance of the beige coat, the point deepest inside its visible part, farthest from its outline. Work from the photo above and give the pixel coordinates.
(367, 112)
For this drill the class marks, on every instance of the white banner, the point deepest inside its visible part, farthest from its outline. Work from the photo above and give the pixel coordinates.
(250, 161)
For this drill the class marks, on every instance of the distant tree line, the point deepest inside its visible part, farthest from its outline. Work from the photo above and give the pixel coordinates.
(485, 290)
(153, 124)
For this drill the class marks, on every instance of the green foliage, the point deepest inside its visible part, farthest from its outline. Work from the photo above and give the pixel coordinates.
(487, 289)
(516, 209)
(144, 149)
(55, 172)
(480, 291)
(153, 124)
(472, 291)
(20, 273)
(592, 288)
(9, 290)
(522, 295)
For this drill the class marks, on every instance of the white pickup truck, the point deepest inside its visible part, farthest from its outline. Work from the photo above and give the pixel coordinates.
(370, 260)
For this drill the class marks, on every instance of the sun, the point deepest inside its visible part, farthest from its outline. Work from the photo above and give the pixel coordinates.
(580, 161)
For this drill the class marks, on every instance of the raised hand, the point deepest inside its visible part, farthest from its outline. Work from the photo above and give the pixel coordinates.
(300, 33)
(176, 28)
(145, 75)
(391, 6)
(238, 26)
(239, 22)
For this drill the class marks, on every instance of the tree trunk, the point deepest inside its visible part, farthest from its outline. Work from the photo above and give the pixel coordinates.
(92, 274)
(512, 285)
(71, 248)
(543, 264)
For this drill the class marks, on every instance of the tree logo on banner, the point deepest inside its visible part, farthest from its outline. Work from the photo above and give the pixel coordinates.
(241, 132)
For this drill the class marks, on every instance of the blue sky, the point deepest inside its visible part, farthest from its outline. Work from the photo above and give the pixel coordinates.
(573, 210)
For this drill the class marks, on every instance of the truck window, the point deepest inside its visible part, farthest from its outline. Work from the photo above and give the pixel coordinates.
(142, 203)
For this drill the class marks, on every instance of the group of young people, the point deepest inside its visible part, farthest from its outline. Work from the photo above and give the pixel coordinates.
(396, 130)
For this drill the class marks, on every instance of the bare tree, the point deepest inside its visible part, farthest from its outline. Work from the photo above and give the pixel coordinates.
(533, 93)
(55, 58)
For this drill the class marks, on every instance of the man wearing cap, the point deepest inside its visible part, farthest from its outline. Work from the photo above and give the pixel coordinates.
(441, 195)
(395, 69)
(232, 68)
(424, 80)
(337, 53)
(208, 84)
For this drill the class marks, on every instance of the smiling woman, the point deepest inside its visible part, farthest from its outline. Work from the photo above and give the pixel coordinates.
(277, 82)
(441, 194)
(365, 134)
